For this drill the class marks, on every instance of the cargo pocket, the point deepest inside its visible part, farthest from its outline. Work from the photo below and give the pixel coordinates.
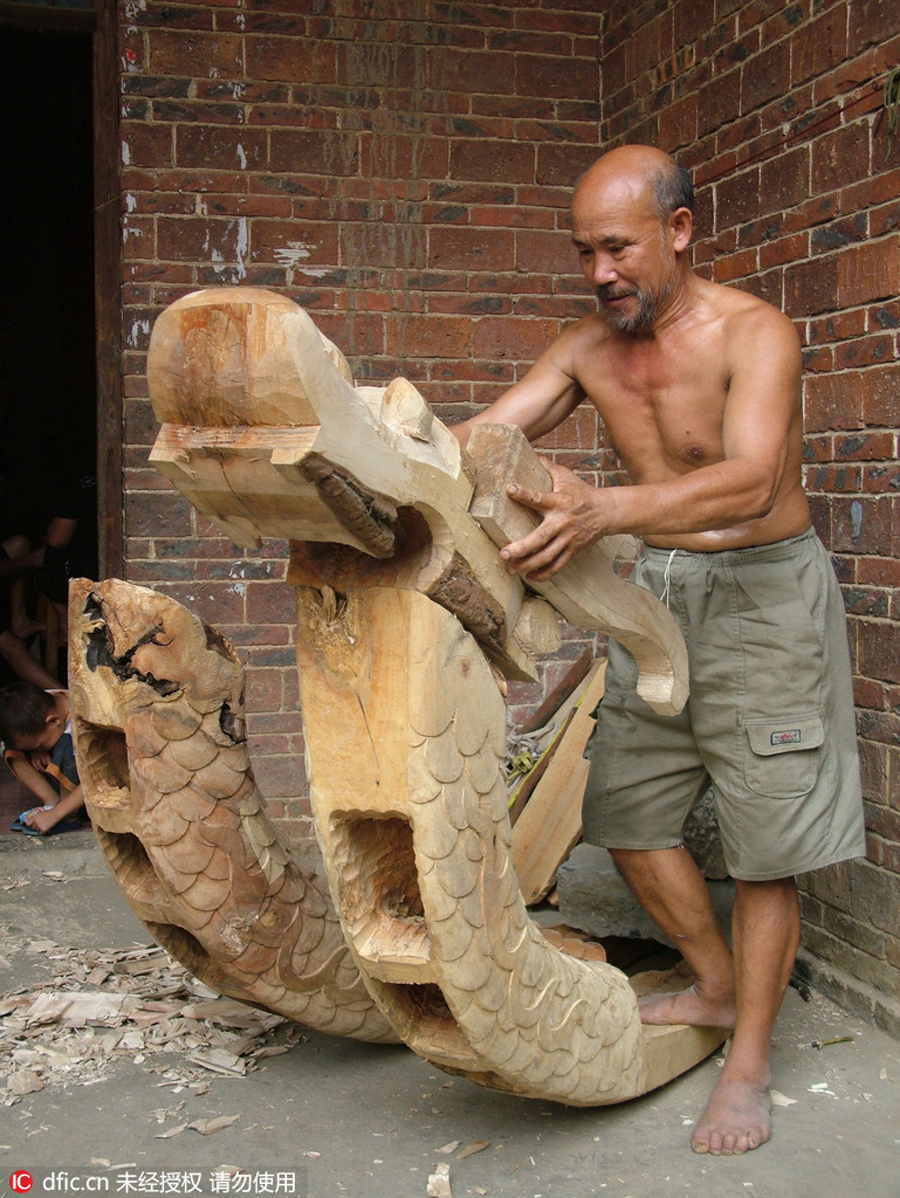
(781, 758)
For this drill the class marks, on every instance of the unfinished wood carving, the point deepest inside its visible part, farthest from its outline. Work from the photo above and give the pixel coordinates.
(588, 592)
(264, 433)
(403, 607)
(158, 723)
(548, 829)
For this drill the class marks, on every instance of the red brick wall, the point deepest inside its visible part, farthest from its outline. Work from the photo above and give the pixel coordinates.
(778, 111)
(406, 180)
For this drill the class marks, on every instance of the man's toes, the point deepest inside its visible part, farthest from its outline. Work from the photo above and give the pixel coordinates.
(756, 1137)
(706, 1141)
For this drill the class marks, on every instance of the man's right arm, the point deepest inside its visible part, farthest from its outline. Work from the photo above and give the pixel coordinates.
(541, 400)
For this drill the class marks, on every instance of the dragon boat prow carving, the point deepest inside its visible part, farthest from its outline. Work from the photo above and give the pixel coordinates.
(158, 724)
(407, 618)
(264, 432)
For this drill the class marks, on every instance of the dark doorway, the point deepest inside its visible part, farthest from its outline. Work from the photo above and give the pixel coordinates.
(48, 383)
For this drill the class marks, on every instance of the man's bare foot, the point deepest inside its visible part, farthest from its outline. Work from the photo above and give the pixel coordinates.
(688, 1006)
(737, 1119)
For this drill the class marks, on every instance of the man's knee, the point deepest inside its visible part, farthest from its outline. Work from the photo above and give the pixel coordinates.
(17, 546)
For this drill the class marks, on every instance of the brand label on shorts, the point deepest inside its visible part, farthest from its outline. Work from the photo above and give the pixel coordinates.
(790, 736)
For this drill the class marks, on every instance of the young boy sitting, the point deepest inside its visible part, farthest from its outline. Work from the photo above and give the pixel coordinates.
(37, 739)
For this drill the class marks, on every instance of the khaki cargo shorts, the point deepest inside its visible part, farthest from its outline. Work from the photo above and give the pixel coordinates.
(769, 723)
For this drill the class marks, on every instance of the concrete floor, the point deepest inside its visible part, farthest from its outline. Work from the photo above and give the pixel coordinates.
(370, 1122)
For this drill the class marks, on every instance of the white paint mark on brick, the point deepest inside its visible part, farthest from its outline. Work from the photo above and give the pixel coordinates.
(138, 327)
(126, 154)
(130, 202)
(242, 157)
(293, 253)
(243, 243)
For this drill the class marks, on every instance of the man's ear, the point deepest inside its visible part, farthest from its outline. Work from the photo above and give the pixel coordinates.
(681, 226)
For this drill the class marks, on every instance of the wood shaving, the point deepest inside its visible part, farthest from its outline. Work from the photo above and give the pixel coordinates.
(471, 1149)
(209, 1127)
(173, 1131)
(439, 1182)
(24, 1081)
(104, 1006)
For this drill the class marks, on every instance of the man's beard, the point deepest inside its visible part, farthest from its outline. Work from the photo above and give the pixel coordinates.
(650, 305)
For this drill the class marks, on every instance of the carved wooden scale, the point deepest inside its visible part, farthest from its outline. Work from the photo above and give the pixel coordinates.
(407, 625)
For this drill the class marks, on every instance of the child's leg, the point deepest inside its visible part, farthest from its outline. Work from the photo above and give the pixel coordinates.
(38, 783)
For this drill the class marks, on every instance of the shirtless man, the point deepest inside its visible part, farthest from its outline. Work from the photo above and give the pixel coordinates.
(698, 386)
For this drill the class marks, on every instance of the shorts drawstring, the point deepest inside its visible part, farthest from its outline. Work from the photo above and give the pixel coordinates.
(667, 578)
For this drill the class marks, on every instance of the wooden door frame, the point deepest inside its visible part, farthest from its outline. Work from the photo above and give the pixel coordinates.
(101, 23)
(107, 293)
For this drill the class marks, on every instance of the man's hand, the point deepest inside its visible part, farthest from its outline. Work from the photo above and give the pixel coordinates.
(573, 515)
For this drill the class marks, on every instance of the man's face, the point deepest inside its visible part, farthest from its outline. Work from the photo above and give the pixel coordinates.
(625, 253)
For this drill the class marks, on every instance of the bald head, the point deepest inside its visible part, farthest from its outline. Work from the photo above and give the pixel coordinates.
(631, 226)
(637, 173)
